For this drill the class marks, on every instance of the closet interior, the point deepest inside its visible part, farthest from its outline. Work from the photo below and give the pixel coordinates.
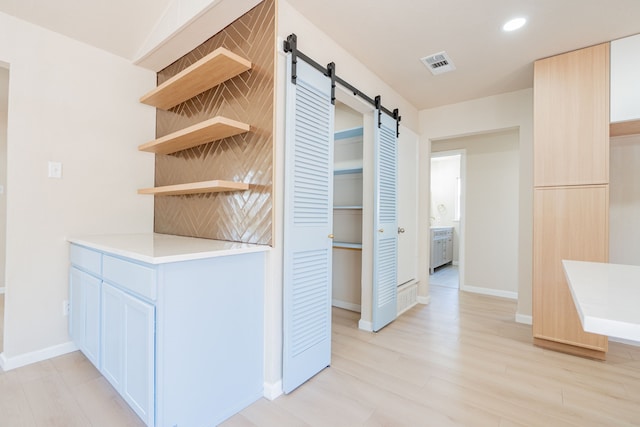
(347, 208)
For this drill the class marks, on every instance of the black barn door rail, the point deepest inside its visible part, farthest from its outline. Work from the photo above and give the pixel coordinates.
(291, 45)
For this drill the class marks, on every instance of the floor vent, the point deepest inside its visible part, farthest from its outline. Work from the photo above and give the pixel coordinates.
(438, 63)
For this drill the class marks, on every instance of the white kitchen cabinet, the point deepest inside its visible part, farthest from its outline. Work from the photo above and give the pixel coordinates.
(625, 81)
(180, 323)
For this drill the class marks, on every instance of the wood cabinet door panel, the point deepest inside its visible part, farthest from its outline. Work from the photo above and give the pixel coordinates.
(569, 223)
(571, 118)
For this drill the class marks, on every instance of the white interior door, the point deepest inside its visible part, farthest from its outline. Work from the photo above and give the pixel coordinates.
(385, 220)
(407, 206)
(308, 222)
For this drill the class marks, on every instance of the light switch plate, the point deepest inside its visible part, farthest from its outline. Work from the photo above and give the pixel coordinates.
(55, 170)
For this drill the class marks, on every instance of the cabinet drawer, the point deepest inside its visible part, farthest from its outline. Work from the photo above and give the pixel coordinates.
(136, 278)
(86, 259)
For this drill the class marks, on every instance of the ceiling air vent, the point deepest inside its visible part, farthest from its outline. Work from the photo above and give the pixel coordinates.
(438, 63)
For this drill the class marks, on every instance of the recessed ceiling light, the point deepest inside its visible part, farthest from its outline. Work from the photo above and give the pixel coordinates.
(514, 24)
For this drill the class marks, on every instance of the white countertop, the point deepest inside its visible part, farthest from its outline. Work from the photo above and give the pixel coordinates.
(607, 297)
(155, 248)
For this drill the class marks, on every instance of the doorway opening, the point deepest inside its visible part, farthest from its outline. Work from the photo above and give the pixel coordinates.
(446, 219)
(488, 240)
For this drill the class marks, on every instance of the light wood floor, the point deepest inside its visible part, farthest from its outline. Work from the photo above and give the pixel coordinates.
(458, 361)
(447, 276)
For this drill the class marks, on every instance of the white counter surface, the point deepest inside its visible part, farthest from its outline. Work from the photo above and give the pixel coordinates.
(607, 297)
(155, 248)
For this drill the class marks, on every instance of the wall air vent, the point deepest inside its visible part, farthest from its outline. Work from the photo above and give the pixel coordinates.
(438, 63)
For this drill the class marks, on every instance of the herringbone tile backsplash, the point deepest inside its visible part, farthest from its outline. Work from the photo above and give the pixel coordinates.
(249, 97)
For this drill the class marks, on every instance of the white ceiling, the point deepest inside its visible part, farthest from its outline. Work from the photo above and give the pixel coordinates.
(388, 36)
(117, 26)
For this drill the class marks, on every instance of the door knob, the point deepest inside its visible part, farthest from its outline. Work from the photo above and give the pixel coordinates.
(381, 230)
(400, 230)
(330, 236)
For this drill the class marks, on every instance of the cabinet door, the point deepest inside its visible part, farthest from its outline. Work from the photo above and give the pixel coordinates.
(569, 223)
(85, 313)
(112, 330)
(448, 252)
(571, 118)
(138, 357)
(128, 339)
(625, 86)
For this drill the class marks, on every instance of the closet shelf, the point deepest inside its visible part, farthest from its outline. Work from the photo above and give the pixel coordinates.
(347, 167)
(210, 130)
(215, 186)
(215, 68)
(348, 133)
(348, 207)
(345, 245)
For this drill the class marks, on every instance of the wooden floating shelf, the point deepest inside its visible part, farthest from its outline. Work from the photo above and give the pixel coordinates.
(192, 136)
(215, 186)
(344, 245)
(631, 127)
(215, 68)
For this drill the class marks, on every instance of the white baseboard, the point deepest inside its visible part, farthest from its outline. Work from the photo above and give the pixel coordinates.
(524, 319)
(490, 292)
(10, 363)
(424, 300)
(273, 390)
(365, 325)
(346, 305)
(623, 341)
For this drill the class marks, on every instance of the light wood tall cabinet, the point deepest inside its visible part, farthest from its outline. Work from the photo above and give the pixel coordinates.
(571, 194)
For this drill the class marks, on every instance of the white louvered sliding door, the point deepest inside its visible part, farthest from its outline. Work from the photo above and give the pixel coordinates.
(308, 222)
(385, 220)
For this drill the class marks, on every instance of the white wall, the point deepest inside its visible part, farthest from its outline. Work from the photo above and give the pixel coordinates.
(75, 104)
(512, 110)
(624, 201)
(491, 211)
(323, 49)
(346, 118)
(4, 91)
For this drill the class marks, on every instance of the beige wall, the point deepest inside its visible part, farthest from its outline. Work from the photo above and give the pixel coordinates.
(624, 201)
(491, 211)
(74, 104)
(512, 110)
(4, 91)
